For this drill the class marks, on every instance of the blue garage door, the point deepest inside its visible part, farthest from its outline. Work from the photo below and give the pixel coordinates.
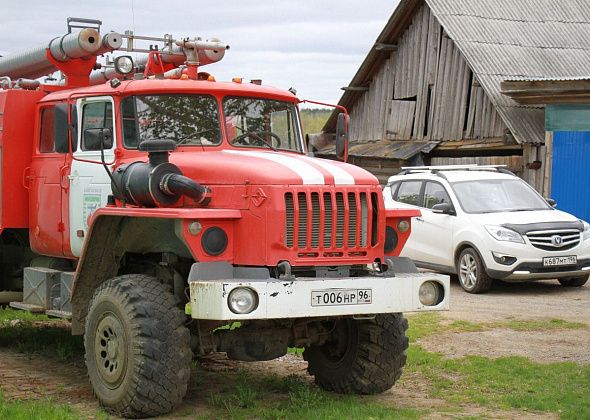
(570, 181)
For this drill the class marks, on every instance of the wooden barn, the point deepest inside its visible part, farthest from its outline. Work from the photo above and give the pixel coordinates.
(428, 92)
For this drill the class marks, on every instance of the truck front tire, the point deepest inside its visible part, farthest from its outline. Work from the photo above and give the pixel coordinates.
(362, 356)
(137, 349)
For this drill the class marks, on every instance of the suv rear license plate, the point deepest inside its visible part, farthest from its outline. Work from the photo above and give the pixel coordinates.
(557, 261)
(335, 297)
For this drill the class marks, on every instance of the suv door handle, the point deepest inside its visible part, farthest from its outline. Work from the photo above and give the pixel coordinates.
(419, 219)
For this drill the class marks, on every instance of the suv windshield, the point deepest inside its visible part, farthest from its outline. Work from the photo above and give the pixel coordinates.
(497, 195)
(191, 120)
(262, 123)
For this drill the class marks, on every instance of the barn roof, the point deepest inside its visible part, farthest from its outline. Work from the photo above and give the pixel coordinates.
(500, 40)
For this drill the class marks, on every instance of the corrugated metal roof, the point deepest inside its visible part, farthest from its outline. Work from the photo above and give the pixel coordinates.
(506, 40)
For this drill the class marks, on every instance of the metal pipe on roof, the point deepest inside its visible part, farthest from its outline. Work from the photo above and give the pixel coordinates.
(33, 63)
(208, 52)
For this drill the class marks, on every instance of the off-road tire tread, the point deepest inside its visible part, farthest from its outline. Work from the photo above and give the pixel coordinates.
(378, 362)
(484, 282)
(161, 345)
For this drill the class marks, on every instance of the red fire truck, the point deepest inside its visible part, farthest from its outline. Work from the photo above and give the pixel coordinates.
(152, 205)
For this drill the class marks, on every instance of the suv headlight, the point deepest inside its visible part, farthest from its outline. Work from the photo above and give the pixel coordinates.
(586, 232)
(501, 233)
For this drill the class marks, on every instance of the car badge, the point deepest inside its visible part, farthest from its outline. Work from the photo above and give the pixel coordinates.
(556, 240)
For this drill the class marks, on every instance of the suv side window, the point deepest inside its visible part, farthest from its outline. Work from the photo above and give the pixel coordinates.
(435, 193)
(409, 193)
(393, 188)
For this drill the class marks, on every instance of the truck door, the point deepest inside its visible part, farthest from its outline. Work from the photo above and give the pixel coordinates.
(47, 182)
(90, 185)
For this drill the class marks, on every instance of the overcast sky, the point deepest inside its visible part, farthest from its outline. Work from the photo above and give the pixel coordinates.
(314, 46)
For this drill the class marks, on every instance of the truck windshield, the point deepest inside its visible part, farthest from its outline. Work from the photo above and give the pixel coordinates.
(262, 123)
(498, 195)
(191, 120)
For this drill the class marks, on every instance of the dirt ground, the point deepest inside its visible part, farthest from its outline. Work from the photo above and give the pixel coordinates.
(24, 376)
(521, 301)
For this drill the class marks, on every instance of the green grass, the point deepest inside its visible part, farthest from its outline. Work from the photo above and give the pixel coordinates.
(508, 383)
(38, 409)
(503, 383)
(8, 314)
(37, 334)
(539, 324)
(429, 323)
(291, 397)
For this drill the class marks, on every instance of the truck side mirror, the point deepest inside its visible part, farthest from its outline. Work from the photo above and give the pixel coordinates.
(551, 202)
(342, 137)
(97, 139)
(60, 128)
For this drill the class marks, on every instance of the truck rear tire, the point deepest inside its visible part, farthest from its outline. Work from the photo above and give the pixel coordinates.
(362, 356)
(138, 352)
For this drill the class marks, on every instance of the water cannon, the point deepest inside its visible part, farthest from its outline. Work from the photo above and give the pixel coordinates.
(75, 55)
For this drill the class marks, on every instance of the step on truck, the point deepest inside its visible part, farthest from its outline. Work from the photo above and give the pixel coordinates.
(153, 205)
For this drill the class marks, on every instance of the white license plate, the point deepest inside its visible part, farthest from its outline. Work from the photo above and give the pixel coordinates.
(557, 261)
(335, 297)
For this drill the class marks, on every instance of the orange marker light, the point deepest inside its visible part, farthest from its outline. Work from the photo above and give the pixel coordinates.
(237, 80)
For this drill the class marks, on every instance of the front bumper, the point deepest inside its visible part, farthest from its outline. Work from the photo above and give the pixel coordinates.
(293, 298)
(536, 271)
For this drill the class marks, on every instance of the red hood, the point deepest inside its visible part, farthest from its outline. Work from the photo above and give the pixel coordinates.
(239, 167)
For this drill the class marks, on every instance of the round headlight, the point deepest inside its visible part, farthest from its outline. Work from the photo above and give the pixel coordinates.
(124, 64)
(403, 226)
(390, 239)
(430, 293)
(214, 241)
(242, 300)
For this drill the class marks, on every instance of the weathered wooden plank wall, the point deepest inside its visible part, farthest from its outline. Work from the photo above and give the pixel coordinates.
(443, 101)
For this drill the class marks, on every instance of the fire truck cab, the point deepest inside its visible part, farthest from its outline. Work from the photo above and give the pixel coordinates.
(153, 208)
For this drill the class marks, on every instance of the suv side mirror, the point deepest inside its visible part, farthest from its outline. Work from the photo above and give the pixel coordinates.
(97, 139)
(342, 137)
(551, 202)
(443, 208)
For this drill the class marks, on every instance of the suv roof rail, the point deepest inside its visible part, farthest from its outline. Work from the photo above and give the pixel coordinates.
(442, 168)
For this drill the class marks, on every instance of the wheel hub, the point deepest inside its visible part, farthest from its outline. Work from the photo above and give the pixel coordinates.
(110, 350)
(468, 271)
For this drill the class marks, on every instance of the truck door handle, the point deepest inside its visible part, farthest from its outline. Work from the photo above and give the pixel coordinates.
(27, 177)
(64, 179)
(419, 219)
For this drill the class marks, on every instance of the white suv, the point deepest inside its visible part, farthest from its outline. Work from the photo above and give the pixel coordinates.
(484, 223)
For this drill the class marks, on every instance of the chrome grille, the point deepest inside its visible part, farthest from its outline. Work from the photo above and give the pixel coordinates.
(304, 227)
(554, 240)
